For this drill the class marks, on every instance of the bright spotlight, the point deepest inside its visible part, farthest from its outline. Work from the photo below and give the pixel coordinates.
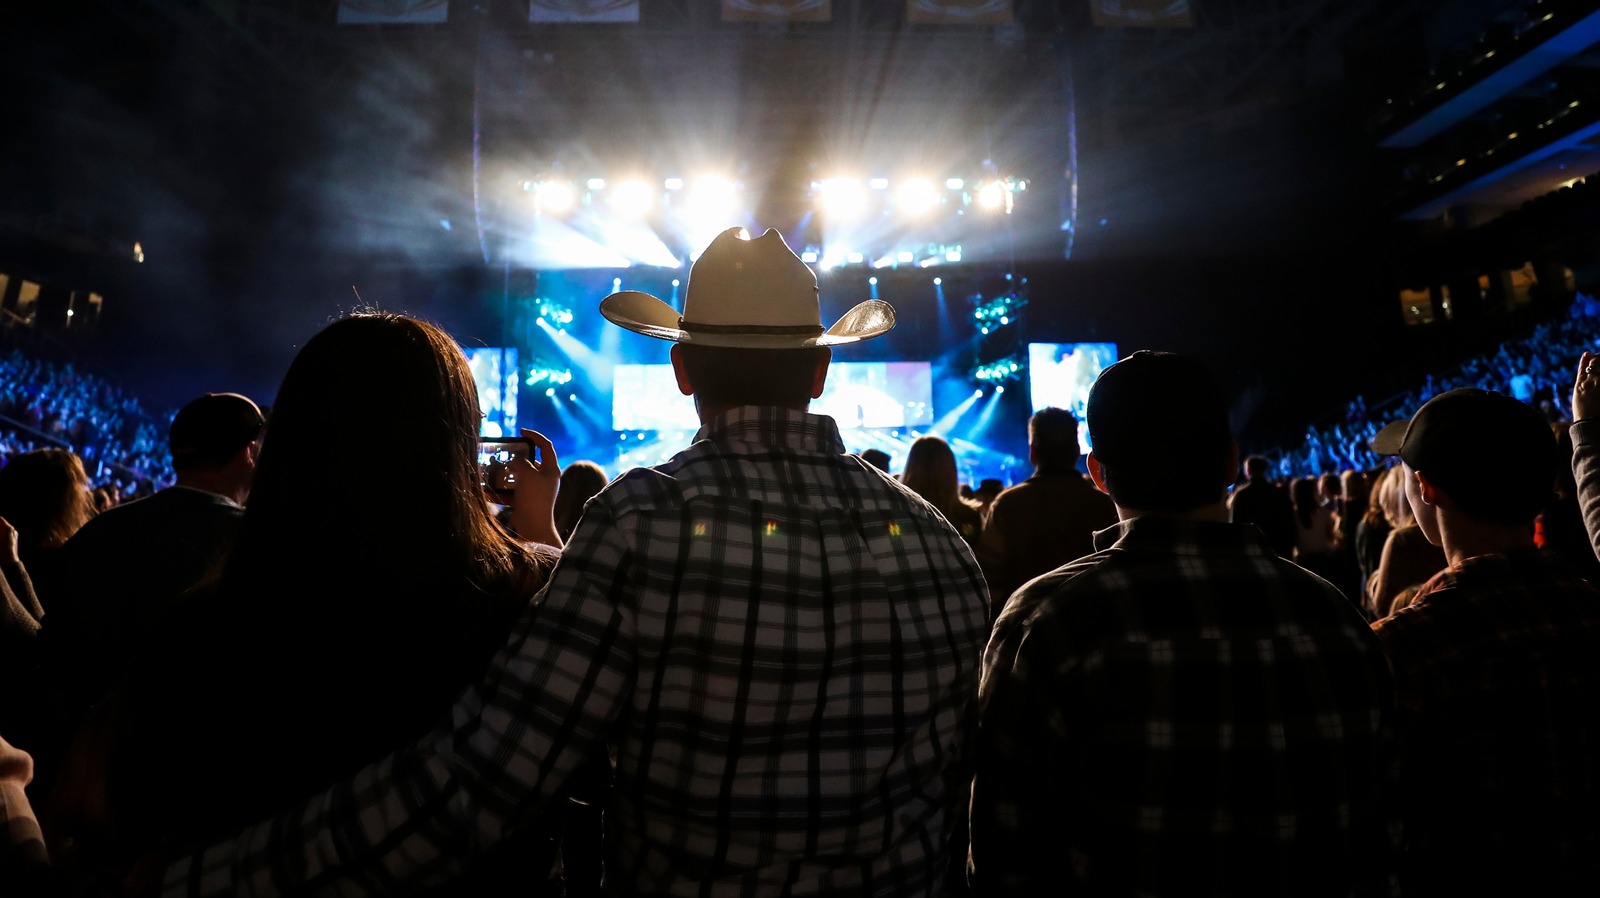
(916, 196)
(809, 257)
(938, 281)
(672, 184)
(550, 392)
(953, 255)
(842, 197)
(632, 197)
(554, 196)
(879, 183)
(977, 394)
(855, 258)
(597, 183)
(992, 195)
(675, 282)
(616, 284)
(1000, 388)
(712, 193)
(954, 183)
(872, 281)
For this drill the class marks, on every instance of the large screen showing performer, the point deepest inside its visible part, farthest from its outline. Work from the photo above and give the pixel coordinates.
(494, 370)
(858, 394)
(1060, 375)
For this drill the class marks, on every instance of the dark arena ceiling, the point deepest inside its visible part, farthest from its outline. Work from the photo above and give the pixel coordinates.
(1175, 187)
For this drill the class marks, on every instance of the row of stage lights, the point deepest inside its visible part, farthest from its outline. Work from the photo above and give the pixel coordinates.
(839, 199)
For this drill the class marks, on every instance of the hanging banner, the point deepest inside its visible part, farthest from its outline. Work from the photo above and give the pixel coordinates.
(393, 12)
(959, 12)
(1142, 13)
(777, 10)
(569, 11)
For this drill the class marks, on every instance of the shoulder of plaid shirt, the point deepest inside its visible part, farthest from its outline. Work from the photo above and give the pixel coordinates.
(589, 651)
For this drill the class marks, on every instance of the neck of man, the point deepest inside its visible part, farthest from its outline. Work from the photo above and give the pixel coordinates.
(1462, 538)
(709, 412)
(216, 482)
(1216, 513)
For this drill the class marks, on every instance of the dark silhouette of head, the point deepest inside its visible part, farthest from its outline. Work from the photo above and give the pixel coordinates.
(44, 494)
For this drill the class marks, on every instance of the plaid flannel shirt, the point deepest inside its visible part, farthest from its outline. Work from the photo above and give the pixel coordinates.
(1183, 712)
(779, 642)
(1497, 672)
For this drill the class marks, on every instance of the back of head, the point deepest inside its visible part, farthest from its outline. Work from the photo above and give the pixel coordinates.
(372, 453)
(1495, 456)
(1158, 426)
(210, 430)
(877, 458)
(1053, 440)
(1256, 467)
(580, 481)
(930, 472)
(1305, 494)
(727, 376)
(44, 494)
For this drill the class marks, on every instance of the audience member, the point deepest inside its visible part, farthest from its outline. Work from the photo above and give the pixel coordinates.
(580, 481)
(1183, 712)
(778, 642)
(19, 637)
(1374, 528)
(361, 594)
(127, 567)
(1047, 520)
(1317, 534)
(44, 493)
(1496, 663)
(1408, 559)
(1263, 503)
(877, 458)
(931, 473)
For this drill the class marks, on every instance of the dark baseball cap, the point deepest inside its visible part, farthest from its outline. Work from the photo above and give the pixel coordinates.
(216, 424)
(1154, 407)
(1495, 455)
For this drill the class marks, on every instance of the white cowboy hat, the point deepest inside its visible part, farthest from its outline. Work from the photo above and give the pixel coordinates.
(751, 294)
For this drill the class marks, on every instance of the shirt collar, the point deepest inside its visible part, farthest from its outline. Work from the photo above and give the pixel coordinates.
(1181, 537)
(771, 425)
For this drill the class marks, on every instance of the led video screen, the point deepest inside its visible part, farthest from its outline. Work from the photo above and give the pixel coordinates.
(1060, 375)
(494, 370)
(857, 395)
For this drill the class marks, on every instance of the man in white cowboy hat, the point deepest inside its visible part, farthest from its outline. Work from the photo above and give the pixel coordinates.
(777, 643)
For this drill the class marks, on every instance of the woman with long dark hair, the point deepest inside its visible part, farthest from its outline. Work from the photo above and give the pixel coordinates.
(369, 584)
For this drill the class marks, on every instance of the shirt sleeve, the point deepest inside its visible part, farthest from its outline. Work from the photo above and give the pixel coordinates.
(1586, 470)
(419, 816)
(1022, 740)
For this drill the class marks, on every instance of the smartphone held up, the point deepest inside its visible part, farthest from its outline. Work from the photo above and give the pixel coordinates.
(497, 473)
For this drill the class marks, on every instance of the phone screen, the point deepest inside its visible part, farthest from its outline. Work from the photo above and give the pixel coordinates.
(496, 474)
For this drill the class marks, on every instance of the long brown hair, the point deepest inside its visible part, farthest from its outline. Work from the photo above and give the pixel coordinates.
(44, 493)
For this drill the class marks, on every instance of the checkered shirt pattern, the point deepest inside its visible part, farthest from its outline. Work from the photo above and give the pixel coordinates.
(1183, 712)
(779, 642)
(1497, 673)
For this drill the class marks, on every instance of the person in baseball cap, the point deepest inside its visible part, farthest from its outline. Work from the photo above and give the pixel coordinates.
(1494, 456)
(1496, 662)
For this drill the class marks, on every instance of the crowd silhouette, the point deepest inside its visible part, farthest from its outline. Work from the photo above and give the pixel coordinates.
(235, 665)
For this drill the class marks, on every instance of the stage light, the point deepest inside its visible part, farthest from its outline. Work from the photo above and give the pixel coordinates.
(543, 374)
(916, 196)
(616, 284)
(992, 195)
(903, 258)
(1000, 389)
(938, 281)
(672, 184)
(554, 196)
(674, 282)
(977, 394)
(596, 184)
(555, 313)
(572, 397)
(809, 257)
(879, 183)
(953, 255)
(841, 197)
(550, 392)
(872, 281)
(632, 197)
(138, 253)
(855, 258)
(954, 183)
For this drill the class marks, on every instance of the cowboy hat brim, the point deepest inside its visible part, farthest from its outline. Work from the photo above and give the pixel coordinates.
(647, 315)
